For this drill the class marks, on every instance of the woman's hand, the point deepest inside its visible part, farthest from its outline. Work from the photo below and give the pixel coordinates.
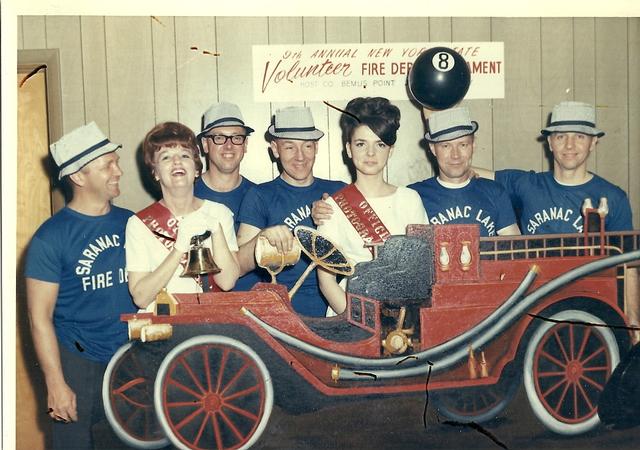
(191, 225)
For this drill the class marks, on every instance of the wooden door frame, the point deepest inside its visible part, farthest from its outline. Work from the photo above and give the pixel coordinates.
(32, 60)
(50, 58)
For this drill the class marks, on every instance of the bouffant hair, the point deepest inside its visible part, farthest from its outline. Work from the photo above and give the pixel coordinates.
(375, 112)
(170, 134)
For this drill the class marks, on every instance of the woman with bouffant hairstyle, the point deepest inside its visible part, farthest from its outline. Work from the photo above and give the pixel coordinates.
(377, 113)
(369, 210)
(158, 237)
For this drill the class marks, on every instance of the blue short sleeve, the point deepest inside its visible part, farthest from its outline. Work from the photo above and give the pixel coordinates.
(43, 262)
(510, 180)
(506, 215)
(253, 209)
(620, 216)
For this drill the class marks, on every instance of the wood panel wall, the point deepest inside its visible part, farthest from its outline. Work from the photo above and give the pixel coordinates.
(129, 73)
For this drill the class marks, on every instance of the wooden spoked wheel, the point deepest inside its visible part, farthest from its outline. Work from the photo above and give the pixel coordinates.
(127, 395)
(213, 392)
(567, 365)
(478, 404)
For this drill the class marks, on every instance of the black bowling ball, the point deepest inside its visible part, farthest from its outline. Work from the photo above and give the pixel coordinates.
(439, 78)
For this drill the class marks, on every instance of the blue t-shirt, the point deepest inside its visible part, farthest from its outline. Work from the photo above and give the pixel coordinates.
(481, 201)
(85, 256)
(277, 202)
(547, 207)
(232, 200)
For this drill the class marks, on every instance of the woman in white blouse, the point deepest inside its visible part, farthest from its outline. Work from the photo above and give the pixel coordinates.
(158, 237)
(369, 126)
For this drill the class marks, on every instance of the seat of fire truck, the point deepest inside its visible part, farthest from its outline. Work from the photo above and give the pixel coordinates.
(402, 274)
(336, 329)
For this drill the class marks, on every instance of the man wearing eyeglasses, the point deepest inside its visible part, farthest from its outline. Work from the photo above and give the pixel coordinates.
(224, 140)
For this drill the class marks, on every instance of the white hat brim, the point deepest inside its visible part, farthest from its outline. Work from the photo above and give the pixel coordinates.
(584, 129)
(230, 123)
(79, 164)
(452, 135)
(313, 135)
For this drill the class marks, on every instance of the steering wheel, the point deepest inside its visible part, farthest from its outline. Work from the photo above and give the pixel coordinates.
(322, 252)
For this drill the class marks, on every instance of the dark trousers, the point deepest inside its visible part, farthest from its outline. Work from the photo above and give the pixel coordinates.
(84, 377)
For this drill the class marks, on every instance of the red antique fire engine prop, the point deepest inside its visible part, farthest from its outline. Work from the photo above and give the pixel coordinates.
(476, 316)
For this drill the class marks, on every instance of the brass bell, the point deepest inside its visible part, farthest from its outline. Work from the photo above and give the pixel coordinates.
(200, 259)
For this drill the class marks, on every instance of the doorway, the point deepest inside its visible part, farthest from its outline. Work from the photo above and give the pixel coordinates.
(39, 122)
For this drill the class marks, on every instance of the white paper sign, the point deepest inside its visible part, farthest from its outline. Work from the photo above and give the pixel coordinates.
(343, 71)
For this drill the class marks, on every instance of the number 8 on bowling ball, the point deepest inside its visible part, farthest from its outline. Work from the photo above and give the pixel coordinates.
(439, 78)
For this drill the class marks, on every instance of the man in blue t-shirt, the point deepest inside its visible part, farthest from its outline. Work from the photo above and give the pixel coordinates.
(223, 139)
(275, 208)
(77, 285)
(454, 196)
(551, 202)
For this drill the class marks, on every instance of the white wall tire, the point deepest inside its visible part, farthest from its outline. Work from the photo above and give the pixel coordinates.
(128, 399)
(478, 404)
(211, 392)
(566, 366)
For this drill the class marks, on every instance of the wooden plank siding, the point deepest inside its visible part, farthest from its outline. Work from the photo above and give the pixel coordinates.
(409, 162)
(612, 110)
(633, 120)
(131, 101)
(465, 29)
(94, 72)
(166, 75)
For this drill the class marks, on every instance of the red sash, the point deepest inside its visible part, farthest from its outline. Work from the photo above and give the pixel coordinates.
(361, 215)
(164, 226)
(161, 222)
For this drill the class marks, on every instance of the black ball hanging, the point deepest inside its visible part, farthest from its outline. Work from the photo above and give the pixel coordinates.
(439, 78)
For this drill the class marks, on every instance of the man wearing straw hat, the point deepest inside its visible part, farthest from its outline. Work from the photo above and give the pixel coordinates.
(223, 139)
(77, 286)
(551, 202)
(454, 196)
(275, 208)
(572, 136)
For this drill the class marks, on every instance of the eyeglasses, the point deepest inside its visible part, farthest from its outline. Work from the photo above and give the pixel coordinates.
(221, 139)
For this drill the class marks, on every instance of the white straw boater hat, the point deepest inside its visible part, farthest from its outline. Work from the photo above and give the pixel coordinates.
(223, 114)
(576, 117)
(78, 148)
(294, 122)
(450, 124)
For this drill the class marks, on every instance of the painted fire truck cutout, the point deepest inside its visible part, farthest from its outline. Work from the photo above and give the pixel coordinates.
(479, 315)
